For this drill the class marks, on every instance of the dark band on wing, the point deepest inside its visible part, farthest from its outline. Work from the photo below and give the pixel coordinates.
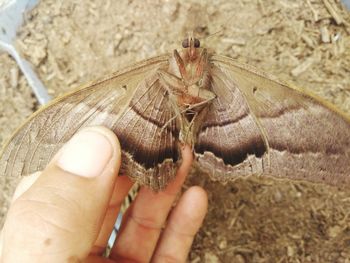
(147, 155)
(146, 141)
(235, 154)
(230, 133)
(145, 130)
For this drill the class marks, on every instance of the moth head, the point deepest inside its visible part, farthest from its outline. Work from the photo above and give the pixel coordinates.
(191, 42)
(191, 45)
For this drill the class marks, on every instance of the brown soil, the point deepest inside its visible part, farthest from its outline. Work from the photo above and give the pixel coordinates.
(303, 41)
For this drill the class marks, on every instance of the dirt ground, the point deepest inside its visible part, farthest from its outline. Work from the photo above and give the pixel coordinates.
(302, 41)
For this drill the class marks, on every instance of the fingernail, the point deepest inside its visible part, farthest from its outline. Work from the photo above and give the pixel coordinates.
(86, 154)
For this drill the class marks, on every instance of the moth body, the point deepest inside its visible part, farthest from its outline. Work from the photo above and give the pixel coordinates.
(188, 83)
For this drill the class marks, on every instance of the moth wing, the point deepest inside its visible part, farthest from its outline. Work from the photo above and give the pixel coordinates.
(104, 102)
(260, 125)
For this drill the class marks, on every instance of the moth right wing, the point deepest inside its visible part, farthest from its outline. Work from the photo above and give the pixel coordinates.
(116, 102)
(260, 125)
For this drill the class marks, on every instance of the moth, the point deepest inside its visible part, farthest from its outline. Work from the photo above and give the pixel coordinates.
(238, 120)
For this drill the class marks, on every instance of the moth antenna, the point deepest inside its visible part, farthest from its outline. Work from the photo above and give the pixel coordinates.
(223, 27)
(190, 34)
(214, 34)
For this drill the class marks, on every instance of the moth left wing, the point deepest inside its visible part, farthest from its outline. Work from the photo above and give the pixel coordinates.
(260, 125)
(117, 102)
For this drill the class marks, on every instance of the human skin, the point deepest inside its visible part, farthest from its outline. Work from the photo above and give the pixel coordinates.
(67, 212)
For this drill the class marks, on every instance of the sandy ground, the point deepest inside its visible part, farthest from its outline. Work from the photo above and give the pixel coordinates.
(303, 41)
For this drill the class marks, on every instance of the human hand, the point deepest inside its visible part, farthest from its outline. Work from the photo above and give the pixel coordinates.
(66, 213)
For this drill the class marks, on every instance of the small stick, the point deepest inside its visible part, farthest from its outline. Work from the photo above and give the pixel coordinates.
(314, 12)
(332, 10)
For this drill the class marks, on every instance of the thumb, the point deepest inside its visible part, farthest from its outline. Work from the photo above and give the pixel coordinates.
(58, 218)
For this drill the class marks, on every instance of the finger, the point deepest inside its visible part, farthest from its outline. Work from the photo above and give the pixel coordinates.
(145, 218)
(121, 189)
(184, 222)
(61, 213)
(23, 185)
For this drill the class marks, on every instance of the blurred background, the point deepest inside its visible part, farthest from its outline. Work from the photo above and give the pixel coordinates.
(306, 42)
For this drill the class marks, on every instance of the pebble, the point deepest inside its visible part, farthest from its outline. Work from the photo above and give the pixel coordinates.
(210, 258)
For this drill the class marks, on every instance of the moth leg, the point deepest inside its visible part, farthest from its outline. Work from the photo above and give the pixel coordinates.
(189, 108)
(181, 65)
(177, 87)
(188, 130)
(173, 84)
(201, 64)
(170, 120)
(203, 61)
